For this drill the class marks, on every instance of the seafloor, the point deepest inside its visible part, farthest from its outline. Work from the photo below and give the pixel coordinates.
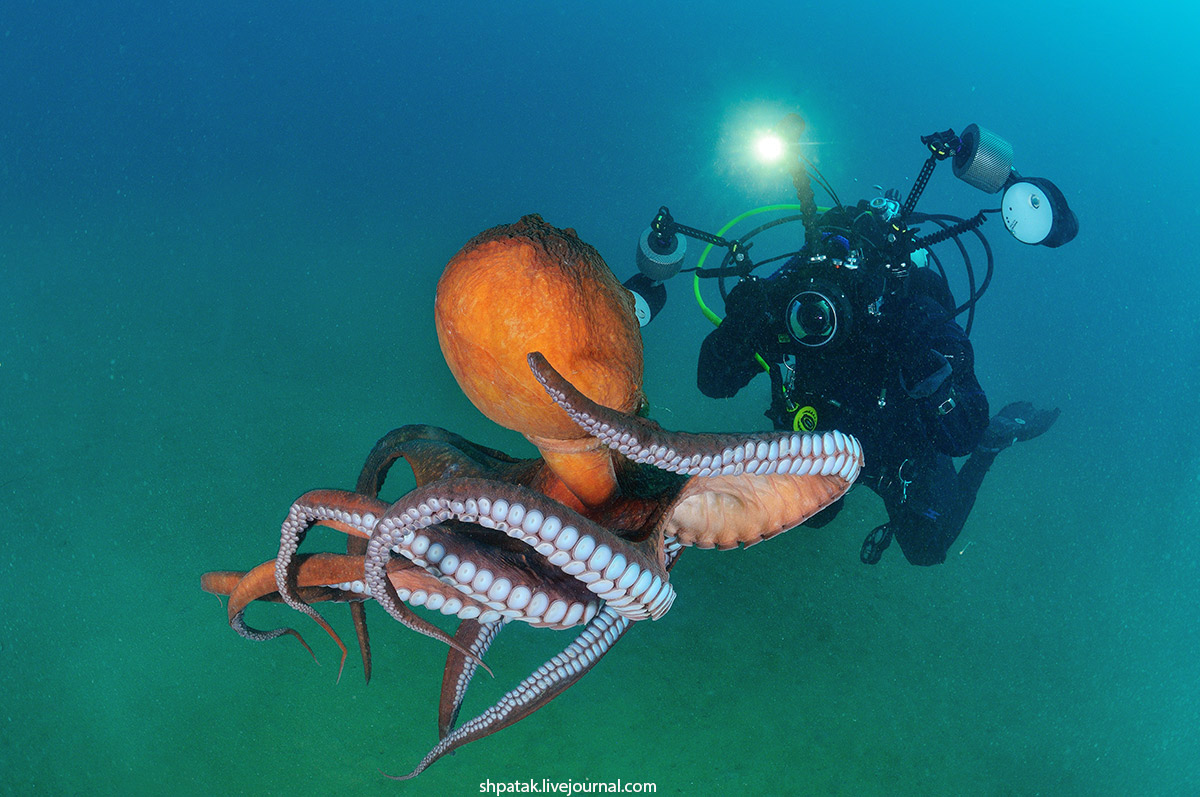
(168, 392)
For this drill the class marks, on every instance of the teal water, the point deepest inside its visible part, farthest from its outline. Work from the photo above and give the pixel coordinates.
(220, 228)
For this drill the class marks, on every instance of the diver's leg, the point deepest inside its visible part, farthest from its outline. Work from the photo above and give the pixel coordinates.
(891, 486)
(1016, 423)
(970, 478)
(928, 503)
(926, 523)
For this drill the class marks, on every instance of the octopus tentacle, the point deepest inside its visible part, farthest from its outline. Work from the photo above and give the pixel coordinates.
(224, 582)
(477, 638)
(539, 688)
(334, 577)
(543, 684)
(432, 453)
(339, 577)
(358, 618)
(643, 440)
(744, 488)
(314, 573)
(616, 570)
(313, 577)
(350, 513)
(501, 582)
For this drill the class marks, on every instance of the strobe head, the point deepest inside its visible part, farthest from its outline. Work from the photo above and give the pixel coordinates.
(659, 254)
(1036, 212)
(984, 160)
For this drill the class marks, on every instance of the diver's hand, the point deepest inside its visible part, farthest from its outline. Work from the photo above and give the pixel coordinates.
(746, 302)
(747, 313)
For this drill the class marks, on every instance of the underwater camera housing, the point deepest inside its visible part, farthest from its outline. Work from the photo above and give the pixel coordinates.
(853, 258)
(840, 281)
(819, 314)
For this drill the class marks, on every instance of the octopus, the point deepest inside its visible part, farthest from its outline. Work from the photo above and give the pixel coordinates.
(542, 338)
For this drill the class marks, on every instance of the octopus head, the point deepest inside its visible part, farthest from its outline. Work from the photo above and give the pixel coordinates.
(529, 286)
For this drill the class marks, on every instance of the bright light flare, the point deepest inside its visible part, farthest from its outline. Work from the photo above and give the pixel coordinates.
(769, 147)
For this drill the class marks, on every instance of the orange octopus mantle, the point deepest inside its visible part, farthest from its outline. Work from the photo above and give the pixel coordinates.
(528, 287)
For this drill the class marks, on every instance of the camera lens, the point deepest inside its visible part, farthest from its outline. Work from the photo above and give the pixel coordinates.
(812, 318)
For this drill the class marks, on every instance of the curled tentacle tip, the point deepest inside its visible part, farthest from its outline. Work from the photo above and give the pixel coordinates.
(469, 655)
(300, 639)
(333, 635)
(409, 776)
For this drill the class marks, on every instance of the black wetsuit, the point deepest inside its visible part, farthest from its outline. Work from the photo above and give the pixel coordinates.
(903, 383)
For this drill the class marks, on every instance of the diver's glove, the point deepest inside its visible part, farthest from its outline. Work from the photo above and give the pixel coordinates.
(745, 301)
(747, 313)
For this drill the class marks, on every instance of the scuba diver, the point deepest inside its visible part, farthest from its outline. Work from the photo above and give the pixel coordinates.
(901, 380)
(858, 332)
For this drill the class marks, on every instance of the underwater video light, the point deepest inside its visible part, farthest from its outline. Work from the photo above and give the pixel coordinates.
(984, 160)
(769, 147)
(1034, 210)
(772, 145)
(660, 254)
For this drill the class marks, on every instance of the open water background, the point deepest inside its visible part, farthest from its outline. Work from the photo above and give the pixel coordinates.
(221, 225)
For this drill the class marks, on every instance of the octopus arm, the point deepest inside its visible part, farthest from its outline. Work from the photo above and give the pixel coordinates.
(432, 453)
(743, 487)
(319, 577)
(543, 684)
(353, 514)
(472, 636)
(539, 688)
